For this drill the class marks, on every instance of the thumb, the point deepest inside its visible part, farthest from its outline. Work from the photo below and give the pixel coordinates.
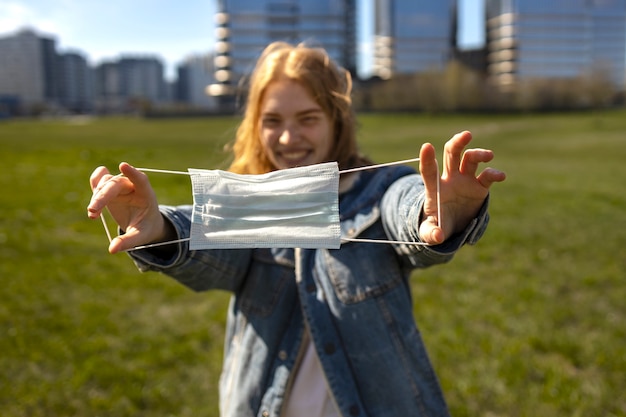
(128, 240)
(133, 174)
(430, 232)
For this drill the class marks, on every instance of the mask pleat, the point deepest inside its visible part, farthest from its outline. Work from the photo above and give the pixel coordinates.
(288, 208)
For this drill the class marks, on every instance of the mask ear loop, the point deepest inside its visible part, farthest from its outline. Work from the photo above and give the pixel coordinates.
(439, 218)
(396, 242)
(345, 171)
(106, 227)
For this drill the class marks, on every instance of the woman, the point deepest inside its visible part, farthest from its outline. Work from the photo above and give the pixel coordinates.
(317, 332)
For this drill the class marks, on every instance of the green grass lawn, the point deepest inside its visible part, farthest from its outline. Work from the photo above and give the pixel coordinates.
(530, 322)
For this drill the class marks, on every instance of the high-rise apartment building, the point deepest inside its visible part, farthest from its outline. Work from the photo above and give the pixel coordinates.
(76, 88)
(23, 68)
(245, 27)
(542, 39)
(142, 77)
(128, 82)
(32, 71)
(412, 36)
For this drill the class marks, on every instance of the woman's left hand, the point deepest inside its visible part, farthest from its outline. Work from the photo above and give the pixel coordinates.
(462, 190)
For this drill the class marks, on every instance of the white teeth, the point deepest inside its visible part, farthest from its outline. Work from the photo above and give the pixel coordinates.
(294, 155)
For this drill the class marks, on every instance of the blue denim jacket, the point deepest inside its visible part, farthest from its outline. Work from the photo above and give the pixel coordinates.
(355, 303)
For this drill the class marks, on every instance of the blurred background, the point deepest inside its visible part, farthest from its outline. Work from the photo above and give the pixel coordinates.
(158, 57)
(529, 322)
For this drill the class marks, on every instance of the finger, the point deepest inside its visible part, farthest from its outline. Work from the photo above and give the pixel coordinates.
(104, 182)
(139, 179)
(428, 167)
(489, 176)
(109, 186)
(99, 178)
(128, 240)
(96, 176)
(107, 189)
(472, 158)
(430, 232)
(453, 150)
(429, 171)
(143, 233)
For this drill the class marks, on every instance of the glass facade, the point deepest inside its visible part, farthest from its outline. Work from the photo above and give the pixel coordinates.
(412, 36)
(246, 27)
(538, 39)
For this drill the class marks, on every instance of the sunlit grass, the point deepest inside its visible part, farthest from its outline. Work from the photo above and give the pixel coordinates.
(529, 322)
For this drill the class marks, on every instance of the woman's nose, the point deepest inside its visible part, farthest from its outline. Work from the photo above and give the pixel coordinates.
(288, 136)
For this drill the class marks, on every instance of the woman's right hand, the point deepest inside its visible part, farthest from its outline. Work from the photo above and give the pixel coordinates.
(132, 203)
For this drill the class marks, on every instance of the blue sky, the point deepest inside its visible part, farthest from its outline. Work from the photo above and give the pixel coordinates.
(171, 29)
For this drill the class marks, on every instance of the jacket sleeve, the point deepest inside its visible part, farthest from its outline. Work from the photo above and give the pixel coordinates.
(199, 270)
(401, 208)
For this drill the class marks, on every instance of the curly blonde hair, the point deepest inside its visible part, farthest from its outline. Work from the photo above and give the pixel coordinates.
(327, 83)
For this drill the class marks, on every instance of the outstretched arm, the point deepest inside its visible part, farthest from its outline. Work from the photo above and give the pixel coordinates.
(462, 189)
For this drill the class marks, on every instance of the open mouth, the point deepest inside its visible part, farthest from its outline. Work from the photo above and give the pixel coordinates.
(294, 157)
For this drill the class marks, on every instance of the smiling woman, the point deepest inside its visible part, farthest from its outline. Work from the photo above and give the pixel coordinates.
(299, 104)
(318, 330)
(294, 131)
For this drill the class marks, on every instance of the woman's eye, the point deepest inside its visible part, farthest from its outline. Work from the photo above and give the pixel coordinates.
(270, 122)
(309, 120)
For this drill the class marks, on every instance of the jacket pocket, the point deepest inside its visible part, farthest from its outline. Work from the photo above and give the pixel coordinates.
(360, 271)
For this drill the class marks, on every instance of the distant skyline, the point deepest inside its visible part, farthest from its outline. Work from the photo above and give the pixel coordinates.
(105, 30)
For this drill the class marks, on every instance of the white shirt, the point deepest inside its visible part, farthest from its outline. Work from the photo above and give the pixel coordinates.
(309, 394)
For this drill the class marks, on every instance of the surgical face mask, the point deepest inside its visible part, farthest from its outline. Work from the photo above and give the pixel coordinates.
(297, 207)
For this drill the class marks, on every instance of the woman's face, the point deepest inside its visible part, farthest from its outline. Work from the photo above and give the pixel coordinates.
(294, 129)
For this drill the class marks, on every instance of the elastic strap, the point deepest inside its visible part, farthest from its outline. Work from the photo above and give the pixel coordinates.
(345, 171)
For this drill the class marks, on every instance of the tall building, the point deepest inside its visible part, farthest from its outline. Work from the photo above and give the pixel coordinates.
(413, 36)
(194, 75)
(108, 89)
(22, 69)
(76, 83)
(542, 39)
(40, 78)
(245, 27)
(130, 82)
(142, 77)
